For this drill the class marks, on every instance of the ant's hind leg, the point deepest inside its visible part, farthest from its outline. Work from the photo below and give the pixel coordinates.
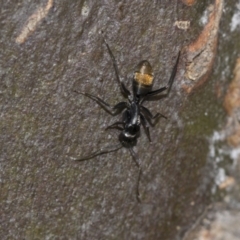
(124, 90)
(107, 107)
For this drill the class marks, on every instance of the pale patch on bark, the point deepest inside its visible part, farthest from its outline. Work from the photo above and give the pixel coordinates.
(32, 22)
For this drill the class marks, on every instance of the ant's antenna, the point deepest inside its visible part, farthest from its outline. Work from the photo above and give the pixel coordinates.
(136, 160)
(101, 151)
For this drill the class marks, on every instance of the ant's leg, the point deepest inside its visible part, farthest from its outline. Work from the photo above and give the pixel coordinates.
(120, 106)
(148, 115)
(112, 110)
(100, 152)
(170, 82)
(145, 126)
(116, 125)
(124, 90)
(145, 111)
(135, 159)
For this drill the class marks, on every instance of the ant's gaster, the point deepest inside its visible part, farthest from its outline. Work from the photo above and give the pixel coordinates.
(134, 114)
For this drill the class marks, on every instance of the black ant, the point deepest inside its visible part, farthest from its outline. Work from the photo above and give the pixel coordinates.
(134, 114)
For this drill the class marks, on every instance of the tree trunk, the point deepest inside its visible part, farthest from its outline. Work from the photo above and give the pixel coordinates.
(50, 51)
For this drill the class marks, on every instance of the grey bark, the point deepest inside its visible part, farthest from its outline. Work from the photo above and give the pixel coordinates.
(44, 123)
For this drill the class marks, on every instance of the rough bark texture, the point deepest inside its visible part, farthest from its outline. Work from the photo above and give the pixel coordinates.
(48, 49)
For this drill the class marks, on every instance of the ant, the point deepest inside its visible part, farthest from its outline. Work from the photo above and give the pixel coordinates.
(134, 113)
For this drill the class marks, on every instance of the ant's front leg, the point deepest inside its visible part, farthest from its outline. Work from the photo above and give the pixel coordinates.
(113, 110)
(116, 125)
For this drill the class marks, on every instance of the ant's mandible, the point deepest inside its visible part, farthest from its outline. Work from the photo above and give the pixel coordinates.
(134, 114)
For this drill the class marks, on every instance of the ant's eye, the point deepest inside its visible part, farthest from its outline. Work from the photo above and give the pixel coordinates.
(133, 128)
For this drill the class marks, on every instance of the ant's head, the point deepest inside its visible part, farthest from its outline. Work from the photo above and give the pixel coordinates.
(127, 139)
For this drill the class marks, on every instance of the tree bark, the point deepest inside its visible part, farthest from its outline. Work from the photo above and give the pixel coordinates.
(51, 49)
